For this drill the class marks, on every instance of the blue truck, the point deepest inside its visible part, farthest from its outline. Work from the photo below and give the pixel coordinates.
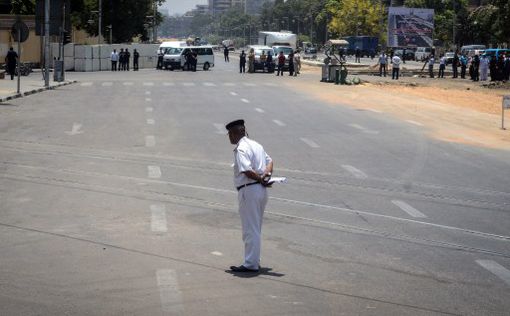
(366, 44)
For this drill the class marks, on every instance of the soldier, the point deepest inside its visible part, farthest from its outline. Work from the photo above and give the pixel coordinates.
(122, 57)
(127, 55)
(242, 62)
(252, 170)
(160, 59)
(136, 56)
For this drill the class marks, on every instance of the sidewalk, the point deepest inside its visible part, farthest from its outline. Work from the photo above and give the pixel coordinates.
(30, 84)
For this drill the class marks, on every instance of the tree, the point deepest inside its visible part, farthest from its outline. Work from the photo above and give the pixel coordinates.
(354, 17)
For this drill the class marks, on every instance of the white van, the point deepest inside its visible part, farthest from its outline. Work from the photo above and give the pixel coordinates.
(422, 53)
(170, 44)
(175, 57)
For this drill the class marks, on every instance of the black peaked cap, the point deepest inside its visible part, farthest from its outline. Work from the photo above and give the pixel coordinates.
(234, 123)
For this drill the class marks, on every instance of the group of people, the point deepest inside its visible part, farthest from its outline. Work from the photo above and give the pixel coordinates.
(395, 63)
(267, 63)
(120, 61)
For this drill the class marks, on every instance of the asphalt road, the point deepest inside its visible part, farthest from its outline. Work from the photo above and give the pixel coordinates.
(117, 199)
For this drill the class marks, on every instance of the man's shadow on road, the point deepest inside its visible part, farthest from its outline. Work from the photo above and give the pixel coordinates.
(262, 271)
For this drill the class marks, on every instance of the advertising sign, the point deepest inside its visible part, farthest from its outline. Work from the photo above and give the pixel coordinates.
(410, 27)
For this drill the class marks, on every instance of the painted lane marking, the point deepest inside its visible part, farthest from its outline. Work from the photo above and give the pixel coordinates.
(233, 93)
(497, 269)
(309, 142)
(220, 129)
(158, 218)
(151, 121)
(149, 109)
(279, 123)
(357, 127)
(107, 84)
(148, 84)
(86, 84)
(260, 110)
(148, 99)
(229, 84)
(154, 172)
(216, 253)
(209, 84)
(150, 141)
(188, 84)
(75, 130)
(414, 122)
(355, 172)
(374, 110)
(408, 209)
(249, 84)
(168, 84)
(245, 101)
(363, 129)
(169, 293)
(127, 83)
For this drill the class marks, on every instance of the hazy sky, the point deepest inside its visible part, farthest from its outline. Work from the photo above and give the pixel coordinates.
(181, 6)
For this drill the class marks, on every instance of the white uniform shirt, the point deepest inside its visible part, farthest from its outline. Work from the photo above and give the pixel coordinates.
(442, 61)
(249, 155)
(396, 61)
(114, 56)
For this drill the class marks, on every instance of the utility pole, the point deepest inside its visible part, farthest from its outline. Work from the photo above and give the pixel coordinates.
(99, 31)
(47, 43)
(154, 29)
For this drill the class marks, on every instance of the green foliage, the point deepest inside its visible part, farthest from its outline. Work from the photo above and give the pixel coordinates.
(23, 7)
(354, 17)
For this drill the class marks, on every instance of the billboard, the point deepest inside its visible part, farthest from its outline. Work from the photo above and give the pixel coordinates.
(410, 27)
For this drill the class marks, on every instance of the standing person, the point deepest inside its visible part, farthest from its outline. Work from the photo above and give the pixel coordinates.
(463, 66)
(357, 55)
(395, 61)
(122, 57)
(269, 62)
(507, 68)
(225, 53)
(252, 170)
(242, 62)
(161, 54)
(114, 58)
(262, 60)
(500, 66)
(476, 66)
(484, 68)
(383, 59)
(11, 60)
(136, 56)
(404, 56)
(430, 63)
(297, 62)
(194, 60)
(281, 63)
(251, 61)
(291, 63)
(126, 60)
(492, 67)
(442, 66)
(455, 65)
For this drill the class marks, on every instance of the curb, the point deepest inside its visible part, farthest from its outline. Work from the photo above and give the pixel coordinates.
(34, 91)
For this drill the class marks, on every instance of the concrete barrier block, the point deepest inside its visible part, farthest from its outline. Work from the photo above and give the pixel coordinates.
(95, 65)
(82, 51)
(68, 63)
(106, 64)
(69, 50)
(106, 51)
(82, 64)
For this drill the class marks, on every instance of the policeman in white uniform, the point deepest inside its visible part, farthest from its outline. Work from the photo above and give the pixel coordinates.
(252, 171)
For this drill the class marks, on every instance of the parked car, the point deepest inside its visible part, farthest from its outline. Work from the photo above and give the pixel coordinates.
(409, 53)
(260, 65)
(449, 57)
(286, 51)
(422, 53)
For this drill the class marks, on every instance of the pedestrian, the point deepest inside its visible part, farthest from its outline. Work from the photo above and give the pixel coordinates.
(507, 68)
(242, 62)
(114, 58)
(476, 66)
(383, 60)
(269, 62)
(357, 55)
(126, 60)
(484, 68)
(500, 68)
(252, 170)
(194, 60)
(281, 63)
(225, 53)
(463, 65)
(404, 56)
(492, 67)
(442, 66)
(430, 63)
(251, 61)
(262, 60)
(455, 65)
(297, 63)
(122, 57)
(395, 61)
(161, 55)
(136, 57)
(11, 59)
(291, 63)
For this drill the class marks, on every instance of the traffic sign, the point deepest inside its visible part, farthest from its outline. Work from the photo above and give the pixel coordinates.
(22, 28)
(506, 102)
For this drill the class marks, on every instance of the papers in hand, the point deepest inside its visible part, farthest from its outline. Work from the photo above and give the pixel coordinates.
(276, 180)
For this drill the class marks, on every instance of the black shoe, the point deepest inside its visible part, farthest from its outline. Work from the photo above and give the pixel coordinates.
(243, 269)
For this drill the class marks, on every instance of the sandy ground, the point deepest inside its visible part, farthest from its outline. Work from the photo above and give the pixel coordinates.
(450, 110)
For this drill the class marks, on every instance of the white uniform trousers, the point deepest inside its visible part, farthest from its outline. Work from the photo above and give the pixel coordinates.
(252, 203)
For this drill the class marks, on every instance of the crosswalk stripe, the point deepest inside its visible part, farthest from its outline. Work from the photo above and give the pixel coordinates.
(169, 292)
(408, 209)
(309, 142)
(279, 123)
(153, 172)
(158, 218)
(497, 269)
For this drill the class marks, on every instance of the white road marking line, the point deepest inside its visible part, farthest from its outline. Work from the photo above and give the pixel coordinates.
(229, 84)
(127, 83)
(158, 218)
(355, 172)
(150, 141)
(148, 92)
(149, 109)
(147, 84)
(233, 93)
(154, 172)
(86, 84)
(169, 293)
(414, 122)
(168, 84)
(279, 123)
(260, 110)
(374, 110)
(357, 126)
(148, 99)
(497, 269)
(309, 142)
(75, 130)
(220, 129)
(408, 209)
(151, 121)
(245, 101)
(107, 84)
(209, 84)
(188, 84)
(216, 253)
(361, 128)
(249, 84)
